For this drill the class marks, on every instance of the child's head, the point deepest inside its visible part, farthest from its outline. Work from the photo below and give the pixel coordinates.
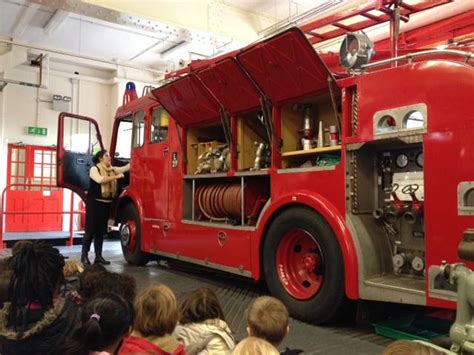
(156, 311)
(96, 279)
(72, 268)
(37, 273)
(255, 346)
(406, 347)
(199, 306)
(90, 280)
(122, 284)
(267, 318)
(19, 245)
(106, 320)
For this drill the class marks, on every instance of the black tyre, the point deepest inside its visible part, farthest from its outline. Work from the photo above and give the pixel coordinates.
(130, 236)
(303, 266)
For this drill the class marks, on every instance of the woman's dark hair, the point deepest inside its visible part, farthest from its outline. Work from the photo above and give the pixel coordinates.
(37, 272)
(200, 305)
(106, 318)
(99, 155)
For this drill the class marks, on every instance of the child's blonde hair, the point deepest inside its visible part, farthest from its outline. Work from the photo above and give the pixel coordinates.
(72, 268)
(267, 318)
(255, 346)
(406, 347)
(156, 311)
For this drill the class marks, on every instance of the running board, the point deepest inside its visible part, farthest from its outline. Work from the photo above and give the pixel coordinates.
(395, 288)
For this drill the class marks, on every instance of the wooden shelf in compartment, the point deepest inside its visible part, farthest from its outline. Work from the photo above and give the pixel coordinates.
(296, 153)
(261, 172)
(205, 176)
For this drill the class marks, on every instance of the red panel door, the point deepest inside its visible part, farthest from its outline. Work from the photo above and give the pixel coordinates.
(35, 168)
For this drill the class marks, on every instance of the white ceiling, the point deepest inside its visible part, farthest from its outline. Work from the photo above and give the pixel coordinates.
(278, 9)
(93, 37)
(126, 39)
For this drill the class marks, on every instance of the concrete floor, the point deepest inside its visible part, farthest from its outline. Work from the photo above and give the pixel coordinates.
(235, 296)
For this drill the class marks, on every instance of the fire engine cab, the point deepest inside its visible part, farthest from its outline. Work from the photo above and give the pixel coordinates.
(275, 164)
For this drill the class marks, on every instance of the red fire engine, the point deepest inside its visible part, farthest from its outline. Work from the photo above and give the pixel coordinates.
(274, 164)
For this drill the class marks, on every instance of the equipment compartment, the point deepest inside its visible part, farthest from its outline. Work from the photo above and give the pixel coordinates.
(229, 200)
(387, 184)
(253, 143)
(207, 149)
(310, 133)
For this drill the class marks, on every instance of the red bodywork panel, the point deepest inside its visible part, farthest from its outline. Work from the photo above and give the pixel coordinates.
(286, 67)
(231, 86)
(188, 101)
(448, 146)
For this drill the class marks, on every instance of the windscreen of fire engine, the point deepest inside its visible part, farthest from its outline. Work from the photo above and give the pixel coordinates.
(123, 146)
(80, 136)
(159, 125)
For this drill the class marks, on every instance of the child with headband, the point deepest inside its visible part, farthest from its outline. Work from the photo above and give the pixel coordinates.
(106, 320)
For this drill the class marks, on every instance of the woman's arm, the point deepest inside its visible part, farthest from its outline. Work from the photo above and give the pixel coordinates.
(121, 169)
(95, 175)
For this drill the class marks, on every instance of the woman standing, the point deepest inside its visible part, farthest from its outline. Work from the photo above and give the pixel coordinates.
(102, 191)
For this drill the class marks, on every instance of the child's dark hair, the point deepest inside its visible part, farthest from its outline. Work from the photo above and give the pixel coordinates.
(37, 272)
(89, 280)
(99, 155)
(202, 304)
(106, 319)
(95, 280)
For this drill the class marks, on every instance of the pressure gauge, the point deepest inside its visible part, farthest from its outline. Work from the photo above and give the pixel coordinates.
(401, 161)
(419, 159)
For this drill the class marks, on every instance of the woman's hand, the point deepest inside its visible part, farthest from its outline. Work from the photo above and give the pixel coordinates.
(120, 176)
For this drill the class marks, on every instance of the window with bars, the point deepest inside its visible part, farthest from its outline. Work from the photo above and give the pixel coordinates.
(44, 172)
(32, 166)
(17, 168)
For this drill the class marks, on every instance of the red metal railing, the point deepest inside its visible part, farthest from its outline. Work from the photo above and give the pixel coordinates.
(71, 211)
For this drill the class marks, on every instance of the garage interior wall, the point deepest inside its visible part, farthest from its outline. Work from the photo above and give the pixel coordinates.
(95, 95)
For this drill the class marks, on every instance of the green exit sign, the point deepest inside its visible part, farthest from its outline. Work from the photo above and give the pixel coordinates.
(37, 131)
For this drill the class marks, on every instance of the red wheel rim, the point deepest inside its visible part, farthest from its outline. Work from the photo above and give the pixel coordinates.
(300, 265)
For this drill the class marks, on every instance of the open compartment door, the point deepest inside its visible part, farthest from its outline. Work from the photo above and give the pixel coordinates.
(231, 86)
(286, 67)
(188, 101)
(78, 140)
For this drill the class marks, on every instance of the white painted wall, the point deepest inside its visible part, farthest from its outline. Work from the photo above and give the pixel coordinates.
(96, 95)
(21, 108)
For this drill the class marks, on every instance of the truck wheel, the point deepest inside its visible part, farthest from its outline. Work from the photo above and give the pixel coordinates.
(303, 266)
(130, 236)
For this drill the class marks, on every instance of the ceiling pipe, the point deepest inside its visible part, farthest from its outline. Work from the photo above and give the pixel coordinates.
(56, 51)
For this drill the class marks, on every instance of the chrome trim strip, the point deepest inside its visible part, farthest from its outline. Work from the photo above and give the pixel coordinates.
(219, 225)
(240, 271)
